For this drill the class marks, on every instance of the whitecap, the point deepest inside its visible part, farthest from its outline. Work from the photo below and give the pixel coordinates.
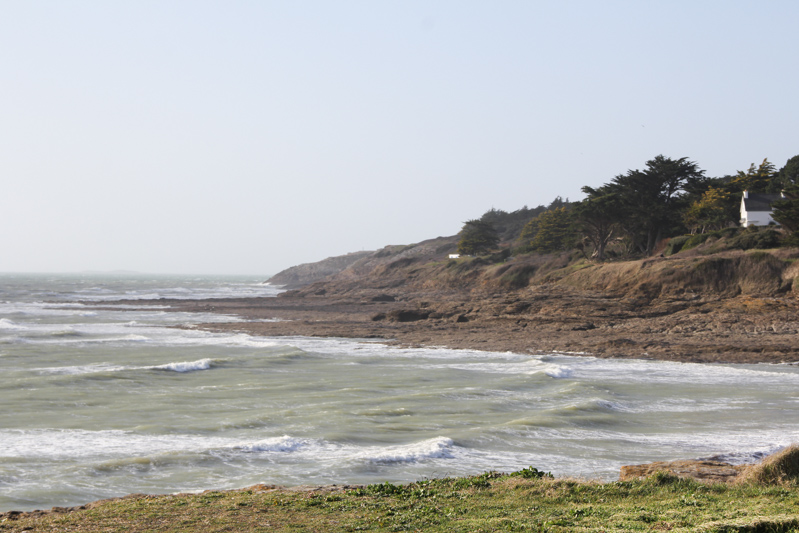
(8, 324)
(435, 448)
(81, 369)
(274, 444)
(186, 366)
(557, 372)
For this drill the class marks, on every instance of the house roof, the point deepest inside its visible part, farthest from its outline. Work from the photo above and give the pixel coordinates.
(760, 202)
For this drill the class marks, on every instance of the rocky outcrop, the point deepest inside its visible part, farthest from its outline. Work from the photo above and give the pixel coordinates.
(701, 470)
(307, 273)
(374, 269)
(779, 468)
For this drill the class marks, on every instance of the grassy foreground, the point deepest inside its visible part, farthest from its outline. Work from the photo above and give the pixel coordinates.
(523, 501)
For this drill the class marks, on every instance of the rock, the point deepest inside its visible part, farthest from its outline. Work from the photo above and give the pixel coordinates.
(407, 315)
(700, 470)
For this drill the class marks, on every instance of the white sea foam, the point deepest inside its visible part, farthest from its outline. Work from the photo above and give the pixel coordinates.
(557, 372)
(186, 366)
(82, 369)
(74, 443)
(9, 325)
(664, 372)
(193, 337)
(435, 448)
(96, 368)
(274, 444)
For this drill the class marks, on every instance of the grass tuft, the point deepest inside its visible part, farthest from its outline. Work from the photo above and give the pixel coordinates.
(778, 469)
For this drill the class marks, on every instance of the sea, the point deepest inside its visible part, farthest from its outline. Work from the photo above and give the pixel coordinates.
(101, 399)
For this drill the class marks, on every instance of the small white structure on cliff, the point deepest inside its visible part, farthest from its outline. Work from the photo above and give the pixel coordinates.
(756, 208)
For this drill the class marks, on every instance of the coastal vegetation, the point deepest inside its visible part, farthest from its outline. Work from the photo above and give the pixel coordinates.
(637, 213)
(528, 500)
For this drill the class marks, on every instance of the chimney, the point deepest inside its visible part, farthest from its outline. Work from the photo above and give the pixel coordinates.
(746, 195)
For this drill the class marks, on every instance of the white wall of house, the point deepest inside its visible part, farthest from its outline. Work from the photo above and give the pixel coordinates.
(756, 218)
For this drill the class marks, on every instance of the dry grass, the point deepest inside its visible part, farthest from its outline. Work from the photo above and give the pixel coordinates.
(781, 468)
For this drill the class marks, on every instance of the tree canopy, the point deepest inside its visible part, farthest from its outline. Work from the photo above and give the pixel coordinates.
(650, 199)
(635, 212)
(477, 237)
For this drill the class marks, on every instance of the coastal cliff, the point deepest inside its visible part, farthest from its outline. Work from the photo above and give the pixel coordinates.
(731, 306)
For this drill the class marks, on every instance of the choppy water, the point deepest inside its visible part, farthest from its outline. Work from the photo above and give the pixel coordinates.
(100, 403)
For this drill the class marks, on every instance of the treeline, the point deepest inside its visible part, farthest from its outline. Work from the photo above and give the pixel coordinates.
(634, 213)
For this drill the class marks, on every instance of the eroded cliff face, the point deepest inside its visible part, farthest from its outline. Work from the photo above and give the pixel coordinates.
(366, 268)
(423, 271)
(731, 306)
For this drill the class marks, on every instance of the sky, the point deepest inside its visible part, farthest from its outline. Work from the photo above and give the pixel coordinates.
(244, 137)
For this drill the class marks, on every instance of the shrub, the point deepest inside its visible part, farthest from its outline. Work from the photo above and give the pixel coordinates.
(532, 472)
(517, 276)
(676, 244)
(762, 239)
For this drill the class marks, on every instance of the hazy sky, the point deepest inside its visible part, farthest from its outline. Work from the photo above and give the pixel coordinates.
(249, 136)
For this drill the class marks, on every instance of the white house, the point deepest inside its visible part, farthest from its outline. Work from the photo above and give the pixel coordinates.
(454, 256)
(756, 208)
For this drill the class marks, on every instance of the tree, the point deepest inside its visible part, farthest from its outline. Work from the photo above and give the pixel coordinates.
(598, 218)
(786, 214)
(710, 212)
(555, 231)
(789, 174)
(477, 237)
(757, 179)
(650, 200)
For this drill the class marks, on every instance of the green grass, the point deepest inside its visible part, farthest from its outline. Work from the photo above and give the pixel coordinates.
(524, 501)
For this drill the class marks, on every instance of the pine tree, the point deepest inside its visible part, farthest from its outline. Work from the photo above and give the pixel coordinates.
(477, 237)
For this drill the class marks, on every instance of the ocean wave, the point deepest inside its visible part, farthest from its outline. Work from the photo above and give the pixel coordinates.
(664, 372)
(81, 369)
(557, 372)
(68, 332)
(192, 337)
(274, 444)
(102, 368)
(9, 325)
(611, 406)
(435, 448)
(185, 366)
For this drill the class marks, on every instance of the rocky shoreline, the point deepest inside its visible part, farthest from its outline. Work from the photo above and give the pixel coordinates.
(538, 320)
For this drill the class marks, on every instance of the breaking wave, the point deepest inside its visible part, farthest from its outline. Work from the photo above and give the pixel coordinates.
(274, 444)
(8, 324)
(435, 448)
(186, 366)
